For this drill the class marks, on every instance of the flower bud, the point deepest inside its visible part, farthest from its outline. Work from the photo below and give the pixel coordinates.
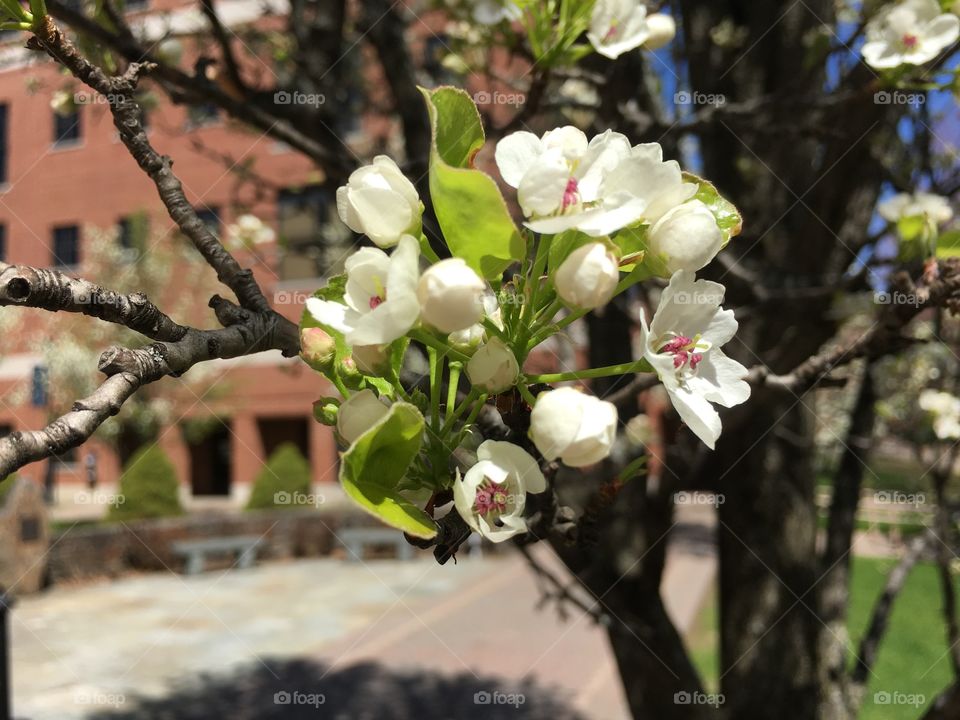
(687, 237)
(451, 296)
(588, 277)
(380, 202)
(317, 348)
(325, 411)
(371, 359)
(493, 367)
(579, 429)
(662, 29)
(358, 414)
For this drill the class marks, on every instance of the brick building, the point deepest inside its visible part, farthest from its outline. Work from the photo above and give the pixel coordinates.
(64, 175)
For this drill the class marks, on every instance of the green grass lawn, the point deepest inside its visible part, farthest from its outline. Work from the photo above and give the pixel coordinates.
(912, 666)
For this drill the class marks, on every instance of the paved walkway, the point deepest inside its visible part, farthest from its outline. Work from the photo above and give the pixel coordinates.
(425, 638)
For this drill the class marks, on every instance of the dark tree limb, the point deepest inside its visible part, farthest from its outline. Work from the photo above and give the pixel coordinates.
(52, 290)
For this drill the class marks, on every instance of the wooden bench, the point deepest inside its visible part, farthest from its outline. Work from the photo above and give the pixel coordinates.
(244, 547)
(355, 540)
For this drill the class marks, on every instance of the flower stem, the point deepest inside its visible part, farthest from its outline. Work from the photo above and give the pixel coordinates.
(436, 368)
(633, 469)
(629, 368)
(468, 401)
(430, 341)
(453, 381)
(478, 406)
(525, 392)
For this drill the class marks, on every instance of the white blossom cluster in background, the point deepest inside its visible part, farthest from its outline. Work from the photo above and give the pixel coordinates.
(909, 32)
(599, 215)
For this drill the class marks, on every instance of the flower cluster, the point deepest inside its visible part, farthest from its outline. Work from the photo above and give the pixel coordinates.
(600, 215)
(944, 411)
(910, 32)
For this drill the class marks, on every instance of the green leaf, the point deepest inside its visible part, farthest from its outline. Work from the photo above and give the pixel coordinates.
(948, 244)
(729, 219)
(372, 469)
(562, 244)
(470, 209)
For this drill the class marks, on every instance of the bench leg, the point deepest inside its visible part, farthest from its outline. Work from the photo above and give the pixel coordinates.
(247, 558)
(194, 564)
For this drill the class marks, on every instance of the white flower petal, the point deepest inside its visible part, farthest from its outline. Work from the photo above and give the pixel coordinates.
(516, 154)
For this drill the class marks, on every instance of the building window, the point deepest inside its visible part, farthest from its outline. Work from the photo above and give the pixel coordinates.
(210, 216)
(312, 244)
(66, 128)
(3, 242)
(202, 114)
(66, 246)
(132, 231)
(4, 132)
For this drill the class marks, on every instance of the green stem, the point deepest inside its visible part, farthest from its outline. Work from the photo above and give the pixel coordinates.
(525, 392)
(435, 369)
(430, 341)
(629, 368)
(427, 250)
(338, 384)
(632, 469)
(531, 282)
(471, 418)
(453, 382)
(468, 402)
(553, 328)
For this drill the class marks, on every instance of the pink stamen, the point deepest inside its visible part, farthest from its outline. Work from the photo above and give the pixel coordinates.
(491, 498)
(375, 301)
(611, 33)
(571, 195)
(680, 347)
(910, 41)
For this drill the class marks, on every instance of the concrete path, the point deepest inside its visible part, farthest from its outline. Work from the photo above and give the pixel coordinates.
(343, 632)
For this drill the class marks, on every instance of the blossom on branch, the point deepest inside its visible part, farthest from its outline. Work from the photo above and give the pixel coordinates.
(577, 428)
(683, 342)
(492, 494)
(912, 32)
(380, 202)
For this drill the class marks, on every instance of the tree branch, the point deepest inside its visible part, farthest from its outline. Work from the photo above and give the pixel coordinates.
(52, 290)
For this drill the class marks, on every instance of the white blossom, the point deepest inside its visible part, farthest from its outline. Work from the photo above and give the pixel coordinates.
(380, 302)
(492, 494)
(579, 429)
(249, 230)
(944, 410)
(358, 413)
(662, 28)
(683, 342)
(911, 32)
(380, 202)
(920, 204)
(491, 12)
(588, 277)
(493, 367)
(451, 295)
(686, 238)
(618, 26)
(564, 182)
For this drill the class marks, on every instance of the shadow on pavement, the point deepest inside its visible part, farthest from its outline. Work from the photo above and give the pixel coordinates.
(368, 691)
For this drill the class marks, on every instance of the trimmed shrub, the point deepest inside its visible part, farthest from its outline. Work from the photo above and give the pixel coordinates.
(149, 487)
(284, 481)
